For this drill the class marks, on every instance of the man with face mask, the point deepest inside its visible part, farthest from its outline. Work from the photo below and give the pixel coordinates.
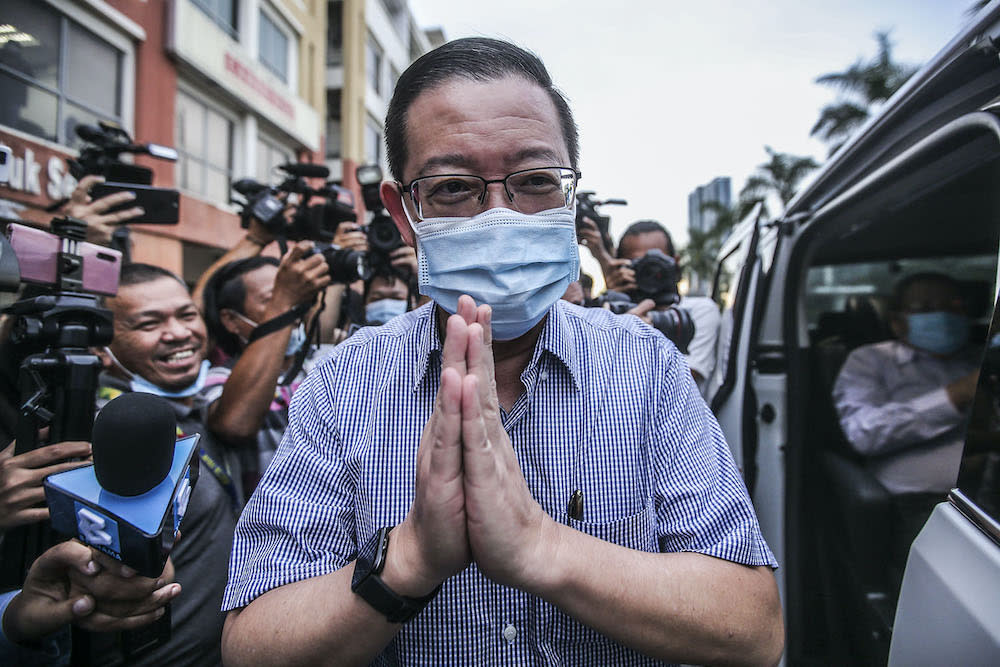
(500, 476)
(249, 393)
(904, 403)
(159, 347)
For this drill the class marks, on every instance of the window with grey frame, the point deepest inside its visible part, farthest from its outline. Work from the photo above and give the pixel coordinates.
(335, 32)
(333, 138)
(223, 12)
(273, 47)
(205, 146)
(55, 74)
(373, 64)
(373, 142)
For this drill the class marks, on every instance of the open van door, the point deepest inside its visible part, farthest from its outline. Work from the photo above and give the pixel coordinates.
(743, 412)
(952, 579)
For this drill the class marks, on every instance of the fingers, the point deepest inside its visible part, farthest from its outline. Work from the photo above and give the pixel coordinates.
(643, 307)
(8, 451)
(81, 193)
(455, 344)
(43, 456)
(23, 517)
(64, 556)
(484, 317)
(446, 451)
(36, 476)
(477, 459)
(467, 308)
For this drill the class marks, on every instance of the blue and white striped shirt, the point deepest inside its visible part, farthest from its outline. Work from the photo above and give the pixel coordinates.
(609, 408)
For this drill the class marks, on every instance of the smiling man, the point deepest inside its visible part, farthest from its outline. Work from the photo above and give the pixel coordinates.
(498, 477)
(159, 347)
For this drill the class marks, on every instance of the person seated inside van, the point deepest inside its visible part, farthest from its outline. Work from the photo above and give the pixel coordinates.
(903, 404)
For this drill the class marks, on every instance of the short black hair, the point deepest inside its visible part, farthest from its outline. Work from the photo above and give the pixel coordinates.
(645, 227)
(226, 290)
(476, 59)
(137, 273)
(904, 285)
(586, 281)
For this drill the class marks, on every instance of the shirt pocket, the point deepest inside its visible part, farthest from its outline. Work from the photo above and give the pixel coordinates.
(636, 531)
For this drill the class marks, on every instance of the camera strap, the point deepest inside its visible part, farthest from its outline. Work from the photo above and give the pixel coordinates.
(279, 322)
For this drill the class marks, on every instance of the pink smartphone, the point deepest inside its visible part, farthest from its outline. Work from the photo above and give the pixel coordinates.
(38, 257)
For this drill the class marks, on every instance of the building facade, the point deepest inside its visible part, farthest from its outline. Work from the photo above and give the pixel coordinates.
(236, 86)
(369, 43)
(718, 190)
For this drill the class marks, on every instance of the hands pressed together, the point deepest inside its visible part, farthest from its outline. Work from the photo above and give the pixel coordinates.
(472, 503)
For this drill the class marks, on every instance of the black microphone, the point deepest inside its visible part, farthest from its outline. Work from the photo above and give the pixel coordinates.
(130, 503)
(305, 169)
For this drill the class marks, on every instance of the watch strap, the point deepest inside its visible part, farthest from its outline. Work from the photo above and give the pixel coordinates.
(367, 583)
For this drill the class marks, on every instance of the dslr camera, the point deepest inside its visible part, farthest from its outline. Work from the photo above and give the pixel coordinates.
(383, 237)
(308, 221)
(656, 277)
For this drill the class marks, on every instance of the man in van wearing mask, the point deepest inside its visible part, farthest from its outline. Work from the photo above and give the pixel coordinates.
(159, 347)
(250, 391)
(498, 477)
(904, 403)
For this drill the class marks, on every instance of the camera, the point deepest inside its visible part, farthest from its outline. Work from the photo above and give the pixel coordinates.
(383, 237)
(344, 265)
(674, 322)
(586, 207)
(313, 222)
(104, 145)
(656, 277)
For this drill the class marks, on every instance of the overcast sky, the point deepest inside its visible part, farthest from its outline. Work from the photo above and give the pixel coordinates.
(669, 95)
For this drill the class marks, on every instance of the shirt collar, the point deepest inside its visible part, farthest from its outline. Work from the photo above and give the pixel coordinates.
(556, 338)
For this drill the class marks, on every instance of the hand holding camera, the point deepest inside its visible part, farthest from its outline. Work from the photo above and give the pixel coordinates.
(101, 214)
(301, 275)
(351, 236)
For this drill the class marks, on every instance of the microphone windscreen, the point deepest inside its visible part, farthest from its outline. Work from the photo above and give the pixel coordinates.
(133, 443)
(90, 133)
(306, 169)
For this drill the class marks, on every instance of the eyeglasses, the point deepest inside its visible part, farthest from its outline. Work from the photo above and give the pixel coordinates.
(464, 195)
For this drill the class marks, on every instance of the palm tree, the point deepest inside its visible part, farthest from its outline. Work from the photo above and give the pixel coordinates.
(864, 85)
(701, 254)
(780, 175)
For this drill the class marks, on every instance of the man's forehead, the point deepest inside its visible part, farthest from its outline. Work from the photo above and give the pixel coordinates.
(464, 123)
(924, 291)
(155, 296)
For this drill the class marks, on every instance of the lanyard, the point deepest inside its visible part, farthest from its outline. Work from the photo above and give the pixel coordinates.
(225, 480)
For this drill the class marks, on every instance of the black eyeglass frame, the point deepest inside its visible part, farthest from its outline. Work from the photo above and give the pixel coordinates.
(408, 189)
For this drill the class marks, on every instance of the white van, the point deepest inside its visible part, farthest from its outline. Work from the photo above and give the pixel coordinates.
(918, 189)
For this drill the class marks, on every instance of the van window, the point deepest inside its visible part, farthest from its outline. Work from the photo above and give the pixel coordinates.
(979, 476)
(841, 287)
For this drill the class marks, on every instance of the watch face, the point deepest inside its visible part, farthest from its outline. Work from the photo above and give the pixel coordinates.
(371, 557)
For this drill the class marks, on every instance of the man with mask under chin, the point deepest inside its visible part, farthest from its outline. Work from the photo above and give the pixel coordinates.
(904, 403)
(498, 477)
(159, 347)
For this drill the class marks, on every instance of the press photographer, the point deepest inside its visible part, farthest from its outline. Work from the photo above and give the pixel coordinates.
(256, 310)
(645, 269)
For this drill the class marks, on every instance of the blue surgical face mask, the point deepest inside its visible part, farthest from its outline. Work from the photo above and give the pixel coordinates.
(518, 263)
(940, 332)
(383, 310)
(140, 384)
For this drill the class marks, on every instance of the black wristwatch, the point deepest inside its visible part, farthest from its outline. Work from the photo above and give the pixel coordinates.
(368, 583)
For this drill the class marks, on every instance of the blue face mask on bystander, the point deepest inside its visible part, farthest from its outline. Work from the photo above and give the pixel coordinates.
(938, 332)
(381, 311)
(518, 263)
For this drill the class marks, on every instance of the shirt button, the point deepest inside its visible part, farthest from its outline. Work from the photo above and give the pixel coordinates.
(544, 375)
(510, 633)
